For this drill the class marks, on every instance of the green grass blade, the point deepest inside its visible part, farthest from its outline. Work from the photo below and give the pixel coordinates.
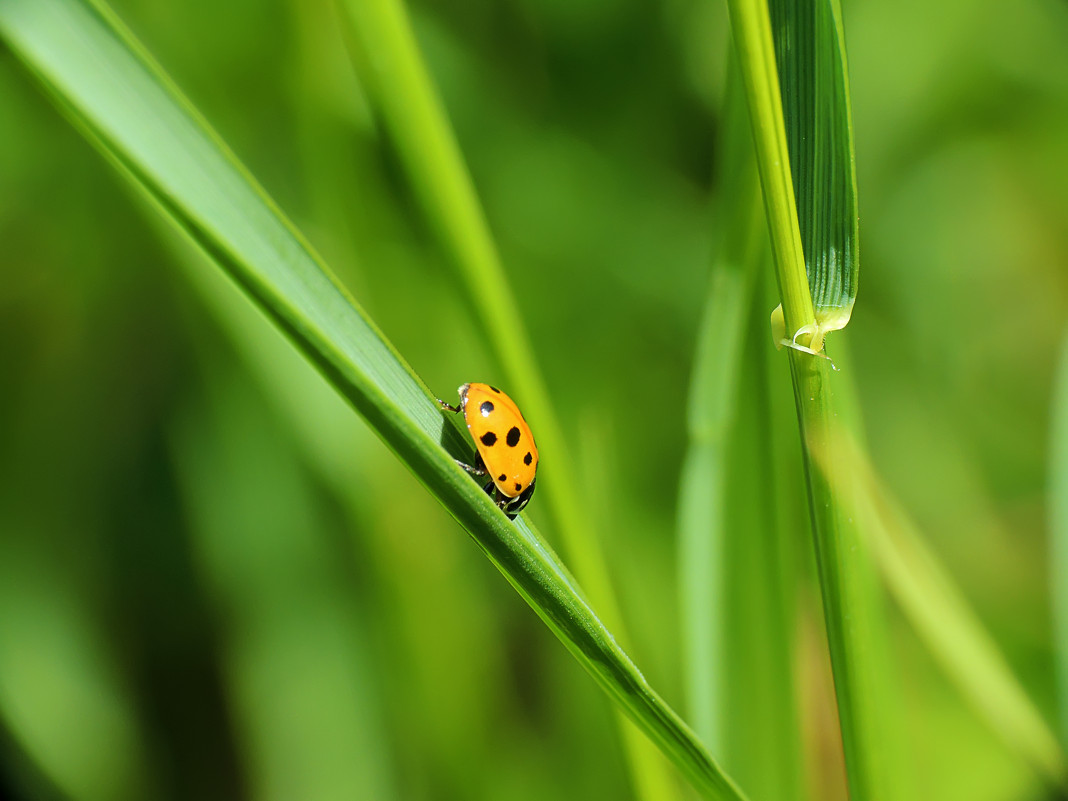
(711, 413)
(1058, 522)
(761, 709)
(851, 600)
(751, 32)
(109, 88)
(810, 52)
(736, 591)
(767, 499)
(399, 86)
(941, 615)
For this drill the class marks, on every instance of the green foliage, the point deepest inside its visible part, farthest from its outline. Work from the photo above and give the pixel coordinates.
(217, 581)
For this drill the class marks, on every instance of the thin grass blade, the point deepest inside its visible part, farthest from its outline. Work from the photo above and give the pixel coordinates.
(851, 597)
(399, 86)
(751, 33)
(1058, 523)
(762, 705)
(711, 413)
(810, 53)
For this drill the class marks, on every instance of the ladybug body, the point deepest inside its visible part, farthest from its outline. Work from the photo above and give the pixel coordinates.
(506, 449)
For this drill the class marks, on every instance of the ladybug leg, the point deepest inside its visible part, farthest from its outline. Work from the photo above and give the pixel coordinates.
(501, 500)
(504, 503)
(516, 505)
(479, 468)
(491, 489)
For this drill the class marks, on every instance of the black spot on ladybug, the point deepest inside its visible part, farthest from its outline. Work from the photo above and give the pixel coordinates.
(486, 408)
(496, 390)
(518, 486)
(513, 437)
(502, 477)
(528, 458)
(488, 438)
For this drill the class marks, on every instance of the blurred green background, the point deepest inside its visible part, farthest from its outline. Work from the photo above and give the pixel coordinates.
(215, 582)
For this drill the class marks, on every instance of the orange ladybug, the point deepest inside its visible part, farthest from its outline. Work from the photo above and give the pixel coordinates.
(506, 449)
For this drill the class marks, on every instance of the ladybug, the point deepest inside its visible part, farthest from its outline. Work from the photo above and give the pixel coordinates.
(506, 449)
